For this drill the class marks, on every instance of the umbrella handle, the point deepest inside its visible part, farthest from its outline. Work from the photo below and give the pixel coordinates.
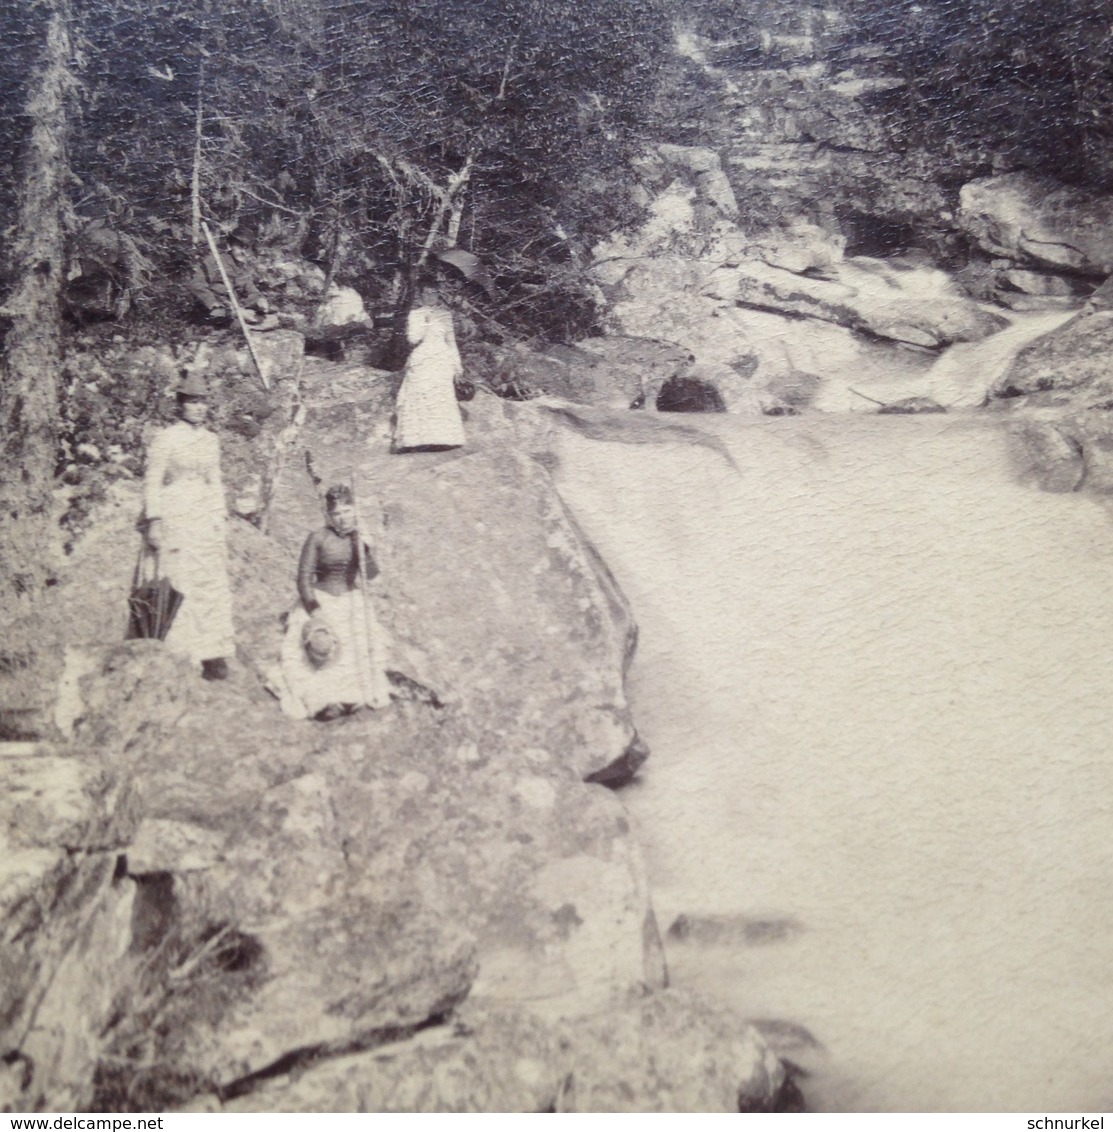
(137, 574)
(145, 555)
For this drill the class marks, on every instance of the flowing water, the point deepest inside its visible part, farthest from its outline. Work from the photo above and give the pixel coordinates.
(956, 379)
(875, 675)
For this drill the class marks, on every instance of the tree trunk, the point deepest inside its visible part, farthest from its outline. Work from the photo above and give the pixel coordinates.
(29, 538)
(198, 139)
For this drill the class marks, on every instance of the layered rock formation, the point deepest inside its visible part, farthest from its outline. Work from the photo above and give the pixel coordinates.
(1035, 221)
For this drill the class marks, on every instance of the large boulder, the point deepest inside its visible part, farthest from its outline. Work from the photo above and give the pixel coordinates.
(343, 306)
(489, 590)
(1067, 367)
(1038, 221)
(910, 304)
(298, 956)
(276, 893)
(353, 875)
(1044, 455)
(331, 888)
(1060, 390)
(667, 1052)
(672, 1053)
(615, 372)
(757, 360)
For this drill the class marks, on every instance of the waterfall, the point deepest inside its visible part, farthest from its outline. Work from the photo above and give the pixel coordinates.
(958, 379)
(874, 675)
(965, 371)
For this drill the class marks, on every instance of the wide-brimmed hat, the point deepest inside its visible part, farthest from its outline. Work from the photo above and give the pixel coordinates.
(192, 385)
(320, 643)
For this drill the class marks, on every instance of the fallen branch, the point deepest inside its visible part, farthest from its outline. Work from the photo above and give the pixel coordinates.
(269, 203)
(865, 398)
(236, 307)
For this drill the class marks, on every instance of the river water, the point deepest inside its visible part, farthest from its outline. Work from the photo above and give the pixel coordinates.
(874, 672)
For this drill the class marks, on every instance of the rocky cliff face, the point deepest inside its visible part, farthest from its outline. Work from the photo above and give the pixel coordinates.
(441, 906)
(208, 904)
(807, 255)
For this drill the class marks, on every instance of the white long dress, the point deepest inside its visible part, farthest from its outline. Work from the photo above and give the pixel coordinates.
(427, 412)
(355, 675)
(183, 488)
(355, 672)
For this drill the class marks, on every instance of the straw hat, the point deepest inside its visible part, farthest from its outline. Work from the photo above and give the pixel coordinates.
(319, 642)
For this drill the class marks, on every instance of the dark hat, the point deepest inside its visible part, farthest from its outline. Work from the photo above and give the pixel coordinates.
(192, 385)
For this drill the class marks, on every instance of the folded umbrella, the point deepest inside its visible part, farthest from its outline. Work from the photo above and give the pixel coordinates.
(152, 604)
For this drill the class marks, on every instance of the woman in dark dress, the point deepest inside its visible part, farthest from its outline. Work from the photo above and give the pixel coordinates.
(333, 654)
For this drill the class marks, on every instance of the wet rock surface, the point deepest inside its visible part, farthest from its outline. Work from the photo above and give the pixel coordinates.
(914, 305)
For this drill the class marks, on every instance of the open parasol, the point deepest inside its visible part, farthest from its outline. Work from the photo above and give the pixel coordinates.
(470, 266)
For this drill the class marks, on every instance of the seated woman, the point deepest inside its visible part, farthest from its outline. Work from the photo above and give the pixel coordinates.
(333, 654)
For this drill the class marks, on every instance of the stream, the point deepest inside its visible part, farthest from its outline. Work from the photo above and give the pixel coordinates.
(874, 674)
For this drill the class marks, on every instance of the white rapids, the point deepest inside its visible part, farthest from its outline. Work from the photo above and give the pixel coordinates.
(875, 674)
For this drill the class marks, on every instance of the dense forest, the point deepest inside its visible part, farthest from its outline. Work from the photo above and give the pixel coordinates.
(363, 135)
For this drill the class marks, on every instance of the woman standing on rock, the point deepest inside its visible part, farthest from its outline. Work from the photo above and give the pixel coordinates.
(428, 417)
(185, 515)
(333, 654)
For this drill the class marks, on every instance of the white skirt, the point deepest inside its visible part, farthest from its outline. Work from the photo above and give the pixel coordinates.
(356, 672)
(426, 407)
(194, 558)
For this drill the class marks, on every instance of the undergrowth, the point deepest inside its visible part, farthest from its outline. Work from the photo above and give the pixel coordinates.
(183, 985)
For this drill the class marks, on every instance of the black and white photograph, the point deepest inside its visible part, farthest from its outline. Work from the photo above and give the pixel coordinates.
(556, 556)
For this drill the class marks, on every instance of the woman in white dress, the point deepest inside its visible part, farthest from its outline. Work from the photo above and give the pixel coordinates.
(185, 516)
(333, 653)
(428, 417)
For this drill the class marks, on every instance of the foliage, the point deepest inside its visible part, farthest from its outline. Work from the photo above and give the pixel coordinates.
(1027, 81)
(186, 979)
(364, 132)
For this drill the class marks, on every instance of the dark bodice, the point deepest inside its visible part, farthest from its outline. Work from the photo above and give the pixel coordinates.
(329, 562)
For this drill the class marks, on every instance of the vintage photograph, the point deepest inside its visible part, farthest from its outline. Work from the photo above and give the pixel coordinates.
(555, 556)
